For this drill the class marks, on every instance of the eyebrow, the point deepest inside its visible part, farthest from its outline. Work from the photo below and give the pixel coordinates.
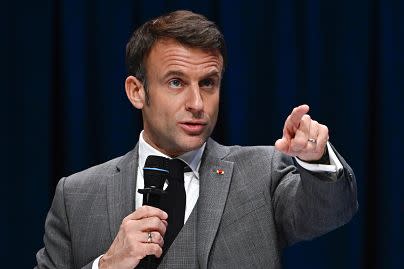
(173, 73)
(176, 73)
(213, 73)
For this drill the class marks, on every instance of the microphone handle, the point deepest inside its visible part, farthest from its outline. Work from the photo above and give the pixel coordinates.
(151, 197)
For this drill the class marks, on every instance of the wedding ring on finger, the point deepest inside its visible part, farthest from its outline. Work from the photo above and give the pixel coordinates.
(149, 237)
(312, 140)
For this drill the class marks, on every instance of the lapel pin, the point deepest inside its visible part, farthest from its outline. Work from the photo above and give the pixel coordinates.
(219, 172)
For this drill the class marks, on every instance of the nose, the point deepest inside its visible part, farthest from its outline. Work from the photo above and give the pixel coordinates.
(194, 102)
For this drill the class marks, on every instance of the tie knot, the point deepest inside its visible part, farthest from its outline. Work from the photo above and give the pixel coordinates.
(177, 168)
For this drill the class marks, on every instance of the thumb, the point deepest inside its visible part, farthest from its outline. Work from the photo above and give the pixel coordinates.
(282, 145)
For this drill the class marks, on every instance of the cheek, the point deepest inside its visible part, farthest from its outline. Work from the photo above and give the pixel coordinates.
(213, 106)
(168, 114)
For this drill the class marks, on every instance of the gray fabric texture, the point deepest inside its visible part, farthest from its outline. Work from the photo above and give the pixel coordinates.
(262, 203)
(182, 253)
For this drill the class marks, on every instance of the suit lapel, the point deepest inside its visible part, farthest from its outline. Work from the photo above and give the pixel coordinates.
(214, 188)
(121, 190)
(215, 177)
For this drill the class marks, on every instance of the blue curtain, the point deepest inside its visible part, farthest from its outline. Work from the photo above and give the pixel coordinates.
(64, 107)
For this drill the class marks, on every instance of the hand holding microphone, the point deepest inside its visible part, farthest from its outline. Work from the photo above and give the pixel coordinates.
(141, 233)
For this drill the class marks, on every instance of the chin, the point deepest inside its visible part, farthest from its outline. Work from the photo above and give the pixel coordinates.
(193, 143)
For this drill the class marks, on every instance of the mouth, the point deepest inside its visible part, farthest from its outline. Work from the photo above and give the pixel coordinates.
(193, 127)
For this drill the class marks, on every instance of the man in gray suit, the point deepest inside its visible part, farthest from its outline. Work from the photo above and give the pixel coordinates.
(243, 204)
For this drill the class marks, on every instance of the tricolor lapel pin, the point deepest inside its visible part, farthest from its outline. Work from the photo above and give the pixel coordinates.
(219, 172)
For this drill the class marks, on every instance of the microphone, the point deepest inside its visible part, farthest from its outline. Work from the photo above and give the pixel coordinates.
(155, 174)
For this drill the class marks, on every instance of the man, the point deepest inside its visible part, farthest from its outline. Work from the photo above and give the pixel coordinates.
(243, 204)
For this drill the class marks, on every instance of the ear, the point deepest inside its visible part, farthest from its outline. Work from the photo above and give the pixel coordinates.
(135, 92)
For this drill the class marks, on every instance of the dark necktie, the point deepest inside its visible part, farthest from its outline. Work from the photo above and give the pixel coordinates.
(174, 202)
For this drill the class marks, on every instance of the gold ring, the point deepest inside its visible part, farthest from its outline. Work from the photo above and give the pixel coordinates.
(149, 237)
(312, 140)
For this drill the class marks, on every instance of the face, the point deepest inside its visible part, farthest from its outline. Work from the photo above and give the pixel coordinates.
(183, 88)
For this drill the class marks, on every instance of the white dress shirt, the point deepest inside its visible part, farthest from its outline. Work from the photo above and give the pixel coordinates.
(191, 179)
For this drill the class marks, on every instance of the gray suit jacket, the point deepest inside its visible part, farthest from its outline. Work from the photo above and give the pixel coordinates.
(261, 203)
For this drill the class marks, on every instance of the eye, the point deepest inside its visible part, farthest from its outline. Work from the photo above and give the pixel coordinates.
(175, 83)
(207, 83)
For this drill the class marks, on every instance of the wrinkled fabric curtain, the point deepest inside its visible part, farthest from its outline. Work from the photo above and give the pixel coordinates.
(64, 107)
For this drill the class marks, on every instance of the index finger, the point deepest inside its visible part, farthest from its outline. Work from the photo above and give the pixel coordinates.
(297, 114)
(146, 212)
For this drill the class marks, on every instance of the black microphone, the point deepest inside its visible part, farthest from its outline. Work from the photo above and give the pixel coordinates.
(155, 174)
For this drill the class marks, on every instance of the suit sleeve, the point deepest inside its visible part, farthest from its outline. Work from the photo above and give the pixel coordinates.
(57, 252)
(308, 204)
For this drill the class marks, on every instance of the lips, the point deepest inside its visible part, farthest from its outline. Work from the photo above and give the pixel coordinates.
(193, 127)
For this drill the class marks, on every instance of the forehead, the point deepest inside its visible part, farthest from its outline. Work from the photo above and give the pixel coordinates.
(167, 53)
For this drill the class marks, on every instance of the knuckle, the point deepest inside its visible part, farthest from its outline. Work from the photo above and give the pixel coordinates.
(145, 209)
(126, 219)
(162, 227)
(159, 238)
(163, 230)
(155, 248)
(154, 222)
(124, 227)
(159, 252)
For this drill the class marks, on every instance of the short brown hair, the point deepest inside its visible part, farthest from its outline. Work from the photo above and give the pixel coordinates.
(186, 27)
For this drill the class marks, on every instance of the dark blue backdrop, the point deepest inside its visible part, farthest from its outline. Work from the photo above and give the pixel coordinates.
(63, 105)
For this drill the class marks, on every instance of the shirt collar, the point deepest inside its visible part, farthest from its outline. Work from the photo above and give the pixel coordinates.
(191, 158)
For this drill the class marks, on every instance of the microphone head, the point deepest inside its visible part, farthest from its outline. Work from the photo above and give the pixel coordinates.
(155, 172)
